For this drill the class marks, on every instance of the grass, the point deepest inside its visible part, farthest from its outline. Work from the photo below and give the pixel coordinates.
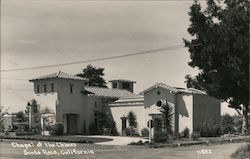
(242, 153)
(62, 138)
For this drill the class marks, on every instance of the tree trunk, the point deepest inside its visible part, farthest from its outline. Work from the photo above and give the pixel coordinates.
(245, 120)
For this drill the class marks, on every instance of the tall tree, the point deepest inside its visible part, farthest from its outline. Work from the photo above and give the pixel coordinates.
(220, 49)
(167, 112)
(94, 76)
(132, 121)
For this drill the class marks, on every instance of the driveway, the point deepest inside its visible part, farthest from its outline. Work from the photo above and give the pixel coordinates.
(118, 140)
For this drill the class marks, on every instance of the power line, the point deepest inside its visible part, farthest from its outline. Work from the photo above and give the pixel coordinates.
(15, 79)
(100, 59)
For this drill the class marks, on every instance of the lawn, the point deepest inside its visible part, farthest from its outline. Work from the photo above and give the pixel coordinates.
(118, 152)
(64, 138)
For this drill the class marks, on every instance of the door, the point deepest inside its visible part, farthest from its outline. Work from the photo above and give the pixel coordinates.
(71, 123)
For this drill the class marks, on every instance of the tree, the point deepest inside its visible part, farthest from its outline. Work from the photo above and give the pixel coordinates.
(167, 113)
(219, 48)
(132, 121)
(94, 76)
(2, 113)
(227, 124)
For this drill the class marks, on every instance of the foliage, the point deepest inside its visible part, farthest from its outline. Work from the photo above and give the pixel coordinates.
(130, 132)
(241, 153)
(57, 129)
(161, 137)
(93, 129)
(20, 115)
(132, 122)
(209, 128)
(227, 124)
(106, 124)
(167, 113)
(177, 136)
(94, 76)
(195, 135)
(220, 48)
(185, 133)
(46, 110)
(145, 132)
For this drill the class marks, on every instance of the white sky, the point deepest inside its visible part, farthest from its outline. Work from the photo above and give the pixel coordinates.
(44, 32)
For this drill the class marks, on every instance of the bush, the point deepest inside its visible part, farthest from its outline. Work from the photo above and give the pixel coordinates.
(57, 129)
(185, 133)
(209, 129)
(161, 137)
(144, 132)
(242, 153)
(93, 129)
(177, 136)
(129, 132)
(195, 135)
(227, 124)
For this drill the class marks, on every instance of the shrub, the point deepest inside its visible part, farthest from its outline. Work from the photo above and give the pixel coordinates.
(130, 132)
(161, 137)
(177, 136)
(209, 129)
(57, 129)
(93, 129)
(242, 153)
(145, 132)
(195, 135)
(185, 133)
(227, 124)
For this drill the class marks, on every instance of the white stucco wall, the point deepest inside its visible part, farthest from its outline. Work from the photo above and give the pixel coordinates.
(185, 111)
(47, 100)
(122, 111)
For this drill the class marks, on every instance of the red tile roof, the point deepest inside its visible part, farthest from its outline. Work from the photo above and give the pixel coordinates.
(175, 89)
(107, 92)
(58, 75)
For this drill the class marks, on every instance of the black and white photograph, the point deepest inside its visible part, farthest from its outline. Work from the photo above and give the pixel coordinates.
(124, 79)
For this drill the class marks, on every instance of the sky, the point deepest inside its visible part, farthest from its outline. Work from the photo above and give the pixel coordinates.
(45, 32)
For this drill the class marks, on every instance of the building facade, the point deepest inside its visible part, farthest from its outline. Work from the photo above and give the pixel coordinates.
(77, 105)
(191, 108)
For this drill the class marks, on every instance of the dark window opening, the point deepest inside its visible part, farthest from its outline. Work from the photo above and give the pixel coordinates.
(158, 92)
(37, 88)
(95, 104)
(71, 88)
(125, 86)
(45, 88)
(52, 87)
(114, 85)
(96, 121)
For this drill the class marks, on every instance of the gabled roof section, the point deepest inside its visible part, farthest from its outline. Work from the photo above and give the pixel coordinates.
(174, 89)
(129, 101)
(58, 75)
(122, 80)
(107, 92)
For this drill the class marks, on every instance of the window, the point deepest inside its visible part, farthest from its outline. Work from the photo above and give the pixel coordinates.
(37, 89)
(95, 104)
(125, 86)
(45, 88)
(114, 85)
(71, 88)
(96, 121)
(158, 92)
(52, 87)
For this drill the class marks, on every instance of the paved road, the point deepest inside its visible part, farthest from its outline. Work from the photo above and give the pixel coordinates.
(8, 151)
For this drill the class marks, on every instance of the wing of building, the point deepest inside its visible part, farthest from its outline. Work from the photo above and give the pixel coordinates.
(78, 106)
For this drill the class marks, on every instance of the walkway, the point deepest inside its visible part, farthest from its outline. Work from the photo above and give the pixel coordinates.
(118, 140)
